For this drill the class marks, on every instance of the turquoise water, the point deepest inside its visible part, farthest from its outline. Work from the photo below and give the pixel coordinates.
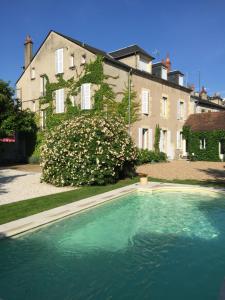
(142, 246)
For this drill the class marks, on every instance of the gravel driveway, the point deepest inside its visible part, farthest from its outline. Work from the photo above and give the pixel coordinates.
(181, 169)
(18, 185)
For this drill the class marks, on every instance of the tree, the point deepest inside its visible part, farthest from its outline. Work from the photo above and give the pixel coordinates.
(12, 118)
(157, 139)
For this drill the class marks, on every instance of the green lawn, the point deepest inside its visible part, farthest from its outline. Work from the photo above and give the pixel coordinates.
(13, 211)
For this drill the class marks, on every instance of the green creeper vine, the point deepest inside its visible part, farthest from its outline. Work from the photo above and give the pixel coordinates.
(212, 138)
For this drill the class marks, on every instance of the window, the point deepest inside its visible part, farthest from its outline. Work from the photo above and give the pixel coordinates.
(143, 65)
(73, 100)
(222, 149)
(72, 62)
(59, 61)
(86, 96)
(202, 144)
(43, 86)
(164, 73)
(145, 102)
(18, 94)
(43, 119)
(59, 99)
(33, 106)
(145, 138)
(33, 73)
(181, 80)
(179, 139)
(164, 107)
(202, 110)
(83, 59)
(180, 110)
(164, 140)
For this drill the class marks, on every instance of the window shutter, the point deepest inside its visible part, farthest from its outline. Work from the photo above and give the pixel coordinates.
(86, 96)
(60, 101)
(140, 138)
(145, 102)
(178, 110)
(150, 145)
(59, 61)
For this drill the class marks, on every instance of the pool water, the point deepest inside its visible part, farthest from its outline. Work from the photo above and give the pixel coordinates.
(167, 245)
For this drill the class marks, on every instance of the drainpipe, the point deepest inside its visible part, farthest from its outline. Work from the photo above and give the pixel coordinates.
(129, 100)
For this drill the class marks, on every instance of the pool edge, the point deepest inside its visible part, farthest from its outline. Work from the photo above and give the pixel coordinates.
(20, 226)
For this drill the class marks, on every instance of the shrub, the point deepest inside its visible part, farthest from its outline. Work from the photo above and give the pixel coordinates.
(145, 156)
(87, 150)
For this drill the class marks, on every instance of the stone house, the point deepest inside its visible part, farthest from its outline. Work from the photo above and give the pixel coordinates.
(163, 98)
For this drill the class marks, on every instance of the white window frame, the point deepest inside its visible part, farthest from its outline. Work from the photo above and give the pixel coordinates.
(143, 64)
(164, 73)
(145, 98)
(202, 143)
(179, 140)
(86, 96)
(33, 73)
(72, 61)
(43, 118)
(59, 61)
(59, 101)
(43, 82)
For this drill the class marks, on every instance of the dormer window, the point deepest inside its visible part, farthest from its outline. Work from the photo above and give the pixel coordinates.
(164, 73)
(83, 59)
(181, 80)
(143, 64)
(33, 75)
(72, 61)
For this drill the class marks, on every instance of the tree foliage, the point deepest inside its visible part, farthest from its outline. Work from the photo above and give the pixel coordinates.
(12, 118)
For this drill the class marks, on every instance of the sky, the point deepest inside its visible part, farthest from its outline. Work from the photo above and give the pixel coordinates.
(192, 32)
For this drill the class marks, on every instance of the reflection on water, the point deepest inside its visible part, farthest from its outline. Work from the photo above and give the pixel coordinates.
(141, 246)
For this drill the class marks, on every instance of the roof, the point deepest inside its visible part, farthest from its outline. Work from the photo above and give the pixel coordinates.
(159, 64)
(208, 103)
(176, 72)
(113, 61)
(128, 51)
(206, 121)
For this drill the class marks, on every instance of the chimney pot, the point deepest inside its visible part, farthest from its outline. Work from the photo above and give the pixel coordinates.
(28, 51)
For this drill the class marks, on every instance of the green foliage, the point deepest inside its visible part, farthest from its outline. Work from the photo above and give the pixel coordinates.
(12, 118)
(157, 139)
(123, 107)
(145, 156)
(87, 150)
(211, 153)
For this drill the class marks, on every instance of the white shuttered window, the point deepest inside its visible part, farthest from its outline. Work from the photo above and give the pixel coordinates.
(145, 102)
(86, 96)
(59, 97)
(59, 61)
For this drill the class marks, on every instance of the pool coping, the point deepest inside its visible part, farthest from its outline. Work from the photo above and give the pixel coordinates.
(32, 222)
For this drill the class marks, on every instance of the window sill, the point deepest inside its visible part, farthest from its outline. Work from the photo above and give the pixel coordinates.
(33, 78)
(72, 67)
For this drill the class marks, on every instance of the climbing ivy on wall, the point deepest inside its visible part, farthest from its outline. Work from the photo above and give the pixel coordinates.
(104, 98)
(157, 139)
(212, 138)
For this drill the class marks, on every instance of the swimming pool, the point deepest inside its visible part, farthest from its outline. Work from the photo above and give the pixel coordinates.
(165, 245)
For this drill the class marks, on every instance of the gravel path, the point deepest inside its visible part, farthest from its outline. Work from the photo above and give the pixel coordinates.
(18, 185)
(182, 169)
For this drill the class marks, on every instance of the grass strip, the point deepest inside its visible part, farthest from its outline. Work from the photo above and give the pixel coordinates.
(13, 211)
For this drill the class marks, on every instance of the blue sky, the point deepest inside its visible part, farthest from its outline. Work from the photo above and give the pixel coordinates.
(191, 31)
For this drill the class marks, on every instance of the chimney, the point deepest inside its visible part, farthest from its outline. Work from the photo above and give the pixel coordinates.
(168, 63)
(28, 51)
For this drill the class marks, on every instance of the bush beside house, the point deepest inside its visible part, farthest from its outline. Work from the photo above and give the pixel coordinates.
(87, 150)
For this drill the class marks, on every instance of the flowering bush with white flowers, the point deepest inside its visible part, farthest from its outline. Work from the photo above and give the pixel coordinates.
(87, 150)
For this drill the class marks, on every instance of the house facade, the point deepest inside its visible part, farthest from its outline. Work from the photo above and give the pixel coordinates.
(163, 98)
